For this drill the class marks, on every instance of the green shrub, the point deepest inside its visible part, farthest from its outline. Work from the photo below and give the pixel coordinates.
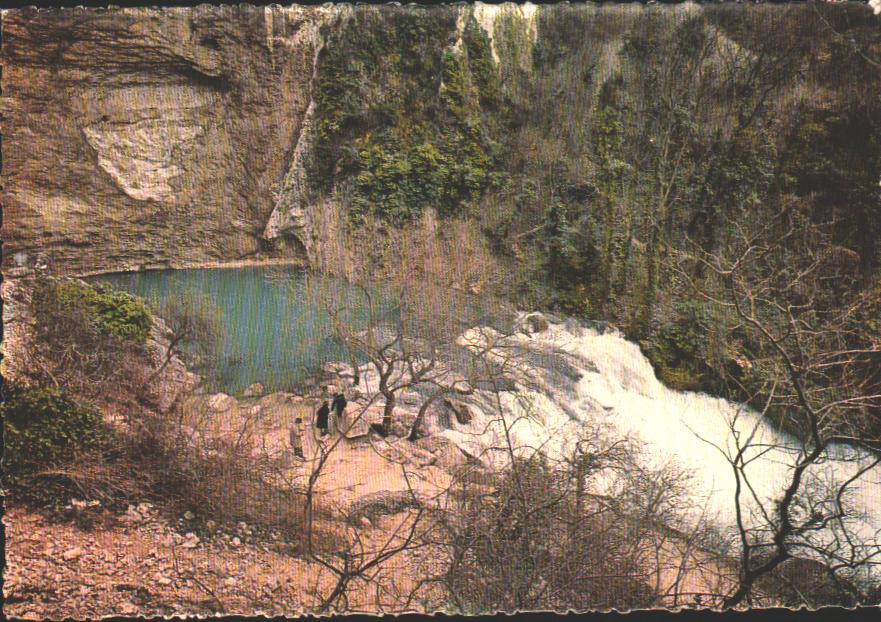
(90, 341)
(121, 314)
(43, 430)
(112, 313)
(677, 352)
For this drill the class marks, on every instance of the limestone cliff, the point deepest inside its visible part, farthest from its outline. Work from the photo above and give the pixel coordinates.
(150, 137)
(290, 216)
(142, 137)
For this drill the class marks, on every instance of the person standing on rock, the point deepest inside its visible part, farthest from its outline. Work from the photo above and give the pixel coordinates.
(339, 405)
(296, 437)
(322, 417)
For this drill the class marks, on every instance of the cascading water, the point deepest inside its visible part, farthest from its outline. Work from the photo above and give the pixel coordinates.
(606, 380)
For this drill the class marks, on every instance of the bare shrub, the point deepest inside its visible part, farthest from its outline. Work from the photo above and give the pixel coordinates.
(449, 253)
(84, 340)
(228, 475)
(811, 362)
(535, 539)
(194, 332)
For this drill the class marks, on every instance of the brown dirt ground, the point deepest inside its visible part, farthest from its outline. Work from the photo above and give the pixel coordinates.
(57, 570)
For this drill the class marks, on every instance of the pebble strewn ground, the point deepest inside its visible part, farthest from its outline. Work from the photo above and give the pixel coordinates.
(136, 564)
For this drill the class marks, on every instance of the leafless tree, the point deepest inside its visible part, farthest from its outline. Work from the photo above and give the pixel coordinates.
(788, 297)
(403, 356)
(352, 558)
(192, 332)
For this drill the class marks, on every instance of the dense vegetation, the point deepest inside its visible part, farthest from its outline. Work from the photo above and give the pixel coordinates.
(44, 429)
(599, 154)
(114, 314)
(83, 333)
(97, 412)
(400, 117)
(84, 348)
(704, 178)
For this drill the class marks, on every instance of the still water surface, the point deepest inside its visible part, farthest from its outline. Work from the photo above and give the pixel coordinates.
(273, 322)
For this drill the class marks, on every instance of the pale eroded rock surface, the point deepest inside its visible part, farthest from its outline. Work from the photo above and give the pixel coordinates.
(146, 137)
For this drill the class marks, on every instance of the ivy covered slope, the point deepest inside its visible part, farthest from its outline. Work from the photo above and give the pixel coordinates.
(597, 148)
(407, 113)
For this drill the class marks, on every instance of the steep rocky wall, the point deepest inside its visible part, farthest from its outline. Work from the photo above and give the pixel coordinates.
(144, 137)
(290, 218)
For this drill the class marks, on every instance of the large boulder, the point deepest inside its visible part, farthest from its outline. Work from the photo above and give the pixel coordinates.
(534, 323)
(341, 370)
(355, 427)
(409, 398)
(221, 402)
(460, 410)
(381, 503)
(447, 454)
(402, 422)
(254, 390)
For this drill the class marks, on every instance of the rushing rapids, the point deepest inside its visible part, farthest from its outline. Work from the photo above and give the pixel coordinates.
(561, 381)
(569, 378)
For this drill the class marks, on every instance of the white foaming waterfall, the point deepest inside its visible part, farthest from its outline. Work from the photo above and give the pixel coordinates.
(618, 389)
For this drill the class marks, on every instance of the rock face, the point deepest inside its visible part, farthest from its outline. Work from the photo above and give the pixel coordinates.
(534, 323)
(149, 137)
(462, 412)
(145, 138)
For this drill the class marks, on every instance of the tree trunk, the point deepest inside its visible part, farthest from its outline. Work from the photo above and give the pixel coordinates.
(653, 258)
(420, 416)
(387, 412)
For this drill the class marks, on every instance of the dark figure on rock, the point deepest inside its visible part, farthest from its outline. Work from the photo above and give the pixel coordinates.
(339, 405)
(321, 418)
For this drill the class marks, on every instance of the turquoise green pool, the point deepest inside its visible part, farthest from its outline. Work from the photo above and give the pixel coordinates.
(273, 323)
